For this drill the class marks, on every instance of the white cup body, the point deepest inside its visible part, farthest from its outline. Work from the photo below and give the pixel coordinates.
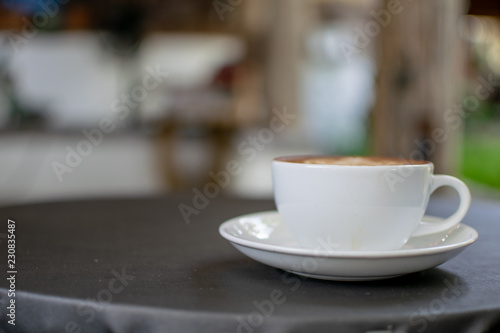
(351, 208)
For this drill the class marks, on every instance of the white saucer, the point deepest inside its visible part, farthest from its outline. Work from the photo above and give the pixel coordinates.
(263, 237)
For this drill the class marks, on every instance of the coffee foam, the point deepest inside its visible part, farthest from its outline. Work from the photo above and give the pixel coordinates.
(351, 160)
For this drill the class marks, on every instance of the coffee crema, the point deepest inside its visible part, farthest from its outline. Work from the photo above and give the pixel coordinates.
(350, 160)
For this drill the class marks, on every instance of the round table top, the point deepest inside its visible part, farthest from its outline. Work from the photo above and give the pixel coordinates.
(134, 265)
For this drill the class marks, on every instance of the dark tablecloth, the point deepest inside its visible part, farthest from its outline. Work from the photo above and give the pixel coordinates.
(134, 265)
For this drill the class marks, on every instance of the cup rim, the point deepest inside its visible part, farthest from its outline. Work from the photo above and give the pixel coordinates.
(408, 162)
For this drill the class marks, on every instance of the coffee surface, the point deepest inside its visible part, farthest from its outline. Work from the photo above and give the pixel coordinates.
(350, 160)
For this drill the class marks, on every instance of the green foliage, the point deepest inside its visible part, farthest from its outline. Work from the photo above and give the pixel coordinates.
(481, 157)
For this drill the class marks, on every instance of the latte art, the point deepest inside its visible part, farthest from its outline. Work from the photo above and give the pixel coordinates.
(351, 160)
(348, 160)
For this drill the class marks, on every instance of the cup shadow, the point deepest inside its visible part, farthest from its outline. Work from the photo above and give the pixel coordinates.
(246, 279)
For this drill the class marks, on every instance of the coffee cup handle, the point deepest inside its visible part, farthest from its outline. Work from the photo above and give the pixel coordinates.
(426, 228)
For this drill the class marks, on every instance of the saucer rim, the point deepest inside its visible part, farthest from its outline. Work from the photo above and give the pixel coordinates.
(344, 254)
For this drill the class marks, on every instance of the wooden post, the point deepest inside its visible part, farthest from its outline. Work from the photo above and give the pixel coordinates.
(286, 32)
(421, 65)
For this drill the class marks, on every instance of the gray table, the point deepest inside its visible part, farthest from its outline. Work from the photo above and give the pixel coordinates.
(133, 265)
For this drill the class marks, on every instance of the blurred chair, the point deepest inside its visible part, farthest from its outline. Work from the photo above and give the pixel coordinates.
(209, 95)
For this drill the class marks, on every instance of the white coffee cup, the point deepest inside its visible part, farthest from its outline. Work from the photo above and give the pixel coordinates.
(359, 203)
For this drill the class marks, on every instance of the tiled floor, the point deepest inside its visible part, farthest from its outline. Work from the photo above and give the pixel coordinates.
(123, 164)
(120, 165)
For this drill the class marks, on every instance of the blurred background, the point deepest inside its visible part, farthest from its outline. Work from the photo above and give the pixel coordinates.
(129, 97)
